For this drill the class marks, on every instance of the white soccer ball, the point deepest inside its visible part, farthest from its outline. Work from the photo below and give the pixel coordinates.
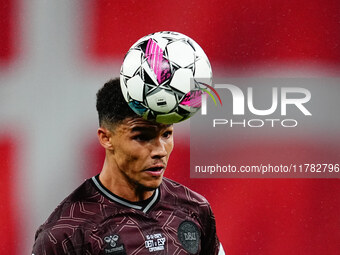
(163, 75)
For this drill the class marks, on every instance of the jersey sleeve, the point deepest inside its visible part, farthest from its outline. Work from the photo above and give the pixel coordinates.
(61, 243)
(46, 244)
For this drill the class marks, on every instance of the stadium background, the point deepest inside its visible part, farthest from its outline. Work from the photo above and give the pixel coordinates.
(54, 55)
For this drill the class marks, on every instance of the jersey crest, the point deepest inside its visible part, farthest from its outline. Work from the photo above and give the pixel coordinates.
(189, 236)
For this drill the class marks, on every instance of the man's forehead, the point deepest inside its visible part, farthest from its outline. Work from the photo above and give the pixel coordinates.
(138, 124)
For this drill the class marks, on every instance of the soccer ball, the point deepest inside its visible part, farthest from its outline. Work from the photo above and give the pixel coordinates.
(164, 75)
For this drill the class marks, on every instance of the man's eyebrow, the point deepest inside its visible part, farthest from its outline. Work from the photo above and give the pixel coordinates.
(149, 128)
(143, 129)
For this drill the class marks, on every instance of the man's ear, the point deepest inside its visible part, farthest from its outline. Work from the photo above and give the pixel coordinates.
(104, 137)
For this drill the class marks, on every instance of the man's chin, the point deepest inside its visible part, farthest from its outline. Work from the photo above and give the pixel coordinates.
(150, 186)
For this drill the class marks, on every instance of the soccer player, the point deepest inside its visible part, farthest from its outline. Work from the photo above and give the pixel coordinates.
(130, 208)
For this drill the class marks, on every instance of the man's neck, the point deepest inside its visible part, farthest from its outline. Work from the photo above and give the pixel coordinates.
(121, 187)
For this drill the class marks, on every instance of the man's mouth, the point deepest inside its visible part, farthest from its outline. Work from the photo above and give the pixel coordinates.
(155, 170)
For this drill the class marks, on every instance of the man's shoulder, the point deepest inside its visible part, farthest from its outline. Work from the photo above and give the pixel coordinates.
(80, 208)
(182, 194)
(66, 227)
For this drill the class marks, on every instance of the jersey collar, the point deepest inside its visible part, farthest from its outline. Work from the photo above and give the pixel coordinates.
(111, 196)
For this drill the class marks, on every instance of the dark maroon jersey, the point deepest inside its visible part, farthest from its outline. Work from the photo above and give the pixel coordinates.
(92, 220)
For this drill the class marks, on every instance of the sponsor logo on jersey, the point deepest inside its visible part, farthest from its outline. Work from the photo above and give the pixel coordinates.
(155, 242)
(189, 236)
(113, 247)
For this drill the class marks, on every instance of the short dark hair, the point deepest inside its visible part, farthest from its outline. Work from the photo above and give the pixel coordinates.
(111, 105)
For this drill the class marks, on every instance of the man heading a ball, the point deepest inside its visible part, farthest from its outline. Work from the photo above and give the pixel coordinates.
(130, 208)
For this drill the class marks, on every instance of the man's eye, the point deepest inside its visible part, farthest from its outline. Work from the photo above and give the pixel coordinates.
(167, 134)
(144, 137)
(141, 138)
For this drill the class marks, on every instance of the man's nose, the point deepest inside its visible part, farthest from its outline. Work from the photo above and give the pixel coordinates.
(158, 148)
